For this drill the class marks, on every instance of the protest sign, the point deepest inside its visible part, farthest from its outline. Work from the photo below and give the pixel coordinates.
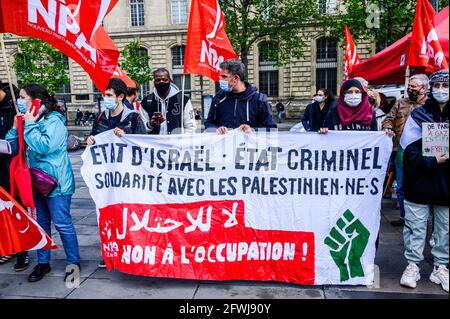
(434, 139)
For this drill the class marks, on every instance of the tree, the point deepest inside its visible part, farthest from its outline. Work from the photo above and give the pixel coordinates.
(38, 62)
(384, 21)
(136, 62)
(280, 21)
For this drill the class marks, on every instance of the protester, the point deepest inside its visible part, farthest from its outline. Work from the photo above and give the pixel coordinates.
(353, 111)
(426, 186)
(324, 100)
(132, 96)
(238, 104)
(394, 123)
(280, 110)
(46, 138)
(375, 101)
(116, 117)
(162, 108)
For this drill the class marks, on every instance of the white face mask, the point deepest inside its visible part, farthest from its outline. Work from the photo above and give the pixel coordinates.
(320, 99)
(441, 95)
(353, 100)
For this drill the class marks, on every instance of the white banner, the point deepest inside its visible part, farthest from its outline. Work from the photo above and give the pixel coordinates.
(290, 207)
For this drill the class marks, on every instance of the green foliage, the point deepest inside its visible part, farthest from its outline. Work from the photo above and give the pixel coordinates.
(281, 21)
(38, 62)
(136, 62)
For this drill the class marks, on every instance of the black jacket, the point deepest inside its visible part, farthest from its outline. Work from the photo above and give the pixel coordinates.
(424, 180)
(333, 122)
(317, 117)
(130, 122)
(231, 110)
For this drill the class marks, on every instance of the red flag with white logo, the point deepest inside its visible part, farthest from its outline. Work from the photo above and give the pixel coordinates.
(207, 42)
(18, 231)
(351, 54)
(74, 27)
(425, 50)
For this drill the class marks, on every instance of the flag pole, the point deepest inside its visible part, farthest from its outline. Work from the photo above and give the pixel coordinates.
(182, 102)
(8, 71)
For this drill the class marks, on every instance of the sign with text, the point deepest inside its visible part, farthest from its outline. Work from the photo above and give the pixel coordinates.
(300, 208)
(434, 139)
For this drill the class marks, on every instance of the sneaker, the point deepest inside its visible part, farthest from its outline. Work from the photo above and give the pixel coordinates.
(68, 273)
(6, 259)
(22, 262)
(39, 271)
(398, 223)
(440, 276)
(410, 276)
(101, 264)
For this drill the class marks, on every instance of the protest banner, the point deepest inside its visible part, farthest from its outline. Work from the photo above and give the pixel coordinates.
(434, 139)
(299, 208)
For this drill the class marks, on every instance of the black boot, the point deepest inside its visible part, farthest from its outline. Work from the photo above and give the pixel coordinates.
(39, 272)
(22, 261)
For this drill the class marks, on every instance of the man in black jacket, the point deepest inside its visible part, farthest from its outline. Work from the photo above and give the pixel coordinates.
(116, 116)
(238, 104)
(426, 187)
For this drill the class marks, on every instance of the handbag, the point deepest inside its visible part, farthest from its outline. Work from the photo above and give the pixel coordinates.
(20, 173)
(43, 183)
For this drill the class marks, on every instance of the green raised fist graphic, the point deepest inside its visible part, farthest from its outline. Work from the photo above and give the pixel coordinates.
(347, 242)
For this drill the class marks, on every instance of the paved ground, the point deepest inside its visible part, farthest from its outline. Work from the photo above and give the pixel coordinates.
(98, 283)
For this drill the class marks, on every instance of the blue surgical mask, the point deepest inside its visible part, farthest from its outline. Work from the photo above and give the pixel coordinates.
(224, 86)
(22, 105)
(109, 103)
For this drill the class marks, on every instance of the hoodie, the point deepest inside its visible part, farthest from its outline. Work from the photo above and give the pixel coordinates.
(171, 111)
(232, 110)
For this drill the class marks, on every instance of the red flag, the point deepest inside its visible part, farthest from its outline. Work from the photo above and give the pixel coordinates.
(351, 54)
(74, 27)
(18, 231)
(207, 42)
(121, 74)
(425, 50)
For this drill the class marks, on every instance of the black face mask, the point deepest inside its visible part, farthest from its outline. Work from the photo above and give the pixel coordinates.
(413, 95)
(162, 88)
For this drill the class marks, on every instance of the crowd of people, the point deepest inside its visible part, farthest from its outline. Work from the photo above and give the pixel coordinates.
(422, 182)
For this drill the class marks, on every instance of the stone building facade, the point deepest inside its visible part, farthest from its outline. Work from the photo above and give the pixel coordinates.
(161, 28)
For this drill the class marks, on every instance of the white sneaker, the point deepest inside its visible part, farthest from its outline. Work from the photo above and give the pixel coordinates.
(411, 276)
(440, 276)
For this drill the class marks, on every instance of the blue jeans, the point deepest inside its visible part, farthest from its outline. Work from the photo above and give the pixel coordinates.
(399, 190)
(280, 116)
(57, 209)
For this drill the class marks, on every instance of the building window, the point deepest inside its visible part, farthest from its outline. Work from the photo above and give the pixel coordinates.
(326, 6)
(326, 64)
(137, 13)
(268, 70)
(179, 11)
(178, 69)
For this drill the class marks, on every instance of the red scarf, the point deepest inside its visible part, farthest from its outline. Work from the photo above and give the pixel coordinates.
(362, 114)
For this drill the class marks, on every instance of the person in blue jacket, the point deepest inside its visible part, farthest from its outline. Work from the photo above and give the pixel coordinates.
(238, 105)
(46, 137)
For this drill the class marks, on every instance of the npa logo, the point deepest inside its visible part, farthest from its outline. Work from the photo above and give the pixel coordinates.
(429, 46)
(208, 53)
(60, 18)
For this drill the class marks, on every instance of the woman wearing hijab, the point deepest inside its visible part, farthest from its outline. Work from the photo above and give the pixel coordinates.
(353, 111)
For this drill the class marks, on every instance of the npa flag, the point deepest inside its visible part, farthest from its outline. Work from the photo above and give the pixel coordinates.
(122, 75)
(207, 43)
(74, 27)
(18, 231)
(426, 50)
(351, 54)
